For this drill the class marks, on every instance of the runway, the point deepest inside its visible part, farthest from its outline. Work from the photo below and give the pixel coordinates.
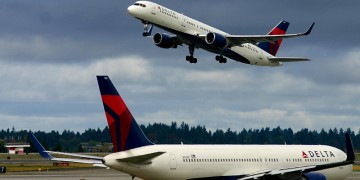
(87, 174)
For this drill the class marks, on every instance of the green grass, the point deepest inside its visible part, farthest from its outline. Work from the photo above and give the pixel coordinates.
(42, 167)
(19, 157)
(4, 156)
(46, 165)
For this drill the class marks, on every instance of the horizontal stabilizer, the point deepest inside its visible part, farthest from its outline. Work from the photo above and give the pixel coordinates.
(142, 159)
(287, 59)
(94, 160)
(97, 163)
(76, 155)
(240, 39)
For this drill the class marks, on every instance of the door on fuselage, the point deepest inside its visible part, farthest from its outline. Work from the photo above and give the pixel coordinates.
(173, 162)
(154, 9)
(183, 23)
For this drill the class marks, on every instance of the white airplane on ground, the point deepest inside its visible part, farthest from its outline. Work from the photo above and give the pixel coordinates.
(136, 155)
(249, 49)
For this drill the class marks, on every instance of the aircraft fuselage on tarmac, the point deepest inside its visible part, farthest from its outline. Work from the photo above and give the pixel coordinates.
(136, 155)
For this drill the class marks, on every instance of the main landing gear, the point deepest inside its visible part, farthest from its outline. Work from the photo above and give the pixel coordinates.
(221, 59)
(191, 58)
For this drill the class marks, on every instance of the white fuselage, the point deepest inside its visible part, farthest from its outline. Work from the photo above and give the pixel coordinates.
(189, 30)
(194, 161)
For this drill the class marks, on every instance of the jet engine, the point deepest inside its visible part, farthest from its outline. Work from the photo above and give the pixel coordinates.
(164, 41)
(216, 40)
(314, 175)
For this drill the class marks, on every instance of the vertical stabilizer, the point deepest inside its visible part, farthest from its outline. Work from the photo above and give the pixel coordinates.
(273, 47)
(125, 132)
(349, 148)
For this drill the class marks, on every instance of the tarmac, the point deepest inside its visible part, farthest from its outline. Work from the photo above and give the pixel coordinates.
(80, 174)
(87, 174)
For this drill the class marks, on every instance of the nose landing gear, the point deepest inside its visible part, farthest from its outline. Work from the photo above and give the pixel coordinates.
(147, 29)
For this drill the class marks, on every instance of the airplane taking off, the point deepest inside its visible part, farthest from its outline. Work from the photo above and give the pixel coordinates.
(136, 155)
(257, 50)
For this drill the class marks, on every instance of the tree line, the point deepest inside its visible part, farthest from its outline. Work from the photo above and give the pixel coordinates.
(175, 133)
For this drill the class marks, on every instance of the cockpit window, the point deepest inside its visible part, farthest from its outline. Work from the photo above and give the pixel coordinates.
(139, 4)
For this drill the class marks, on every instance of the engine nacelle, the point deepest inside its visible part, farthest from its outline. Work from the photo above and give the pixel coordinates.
(314, 176)
(216, 40)
(164, 41)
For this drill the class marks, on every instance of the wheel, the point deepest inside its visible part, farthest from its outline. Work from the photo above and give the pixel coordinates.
(222, 60)
(188, 58)
(194, 60)
(217, 58)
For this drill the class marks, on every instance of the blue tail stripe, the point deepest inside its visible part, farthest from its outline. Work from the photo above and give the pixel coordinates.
(136, 137)
(272, 48)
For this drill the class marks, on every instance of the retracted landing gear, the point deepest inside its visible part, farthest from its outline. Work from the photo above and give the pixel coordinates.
(147, 29)
(221, 59)
(191, 58)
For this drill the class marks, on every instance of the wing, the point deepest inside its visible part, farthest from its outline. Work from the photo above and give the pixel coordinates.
(94, 160)
(291, 173)
(240, 39)
(298, 171)
(287, 59)
(295, 172)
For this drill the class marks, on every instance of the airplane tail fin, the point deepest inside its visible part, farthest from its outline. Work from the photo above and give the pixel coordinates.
(125, 132)
(273, 47)
(349, 148)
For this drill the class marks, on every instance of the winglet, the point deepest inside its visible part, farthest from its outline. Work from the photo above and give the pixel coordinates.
(349, 148)
(310, 29)
(39, 147)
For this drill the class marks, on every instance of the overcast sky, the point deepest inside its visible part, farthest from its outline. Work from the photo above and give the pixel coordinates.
(51, 52)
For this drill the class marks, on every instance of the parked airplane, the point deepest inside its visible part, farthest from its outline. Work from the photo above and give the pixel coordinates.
(136, 155)
(249, 49)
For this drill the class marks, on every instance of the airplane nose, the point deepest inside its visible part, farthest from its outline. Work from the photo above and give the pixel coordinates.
(131, 10)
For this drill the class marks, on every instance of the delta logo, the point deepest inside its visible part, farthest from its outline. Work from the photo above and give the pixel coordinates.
(319, 154)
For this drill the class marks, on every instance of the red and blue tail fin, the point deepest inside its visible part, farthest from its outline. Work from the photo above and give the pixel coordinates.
(272, 48)
(125, 132)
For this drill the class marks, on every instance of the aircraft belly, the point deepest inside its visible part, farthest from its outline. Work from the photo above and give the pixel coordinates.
(190, 39)
(337, 173)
